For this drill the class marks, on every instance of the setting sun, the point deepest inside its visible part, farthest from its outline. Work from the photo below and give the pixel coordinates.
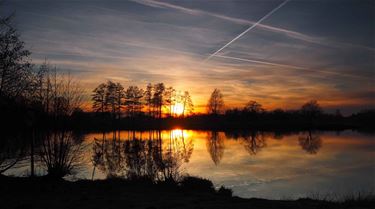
(178, 109)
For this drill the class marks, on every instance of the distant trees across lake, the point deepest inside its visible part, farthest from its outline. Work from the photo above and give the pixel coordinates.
(114, 99)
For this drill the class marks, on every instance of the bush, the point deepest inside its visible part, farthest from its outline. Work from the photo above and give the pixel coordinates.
(225, 192)
(194, 183)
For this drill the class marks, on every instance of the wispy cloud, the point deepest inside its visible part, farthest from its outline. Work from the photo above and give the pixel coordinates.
(293, 67)
(289, 33)
(154, 41)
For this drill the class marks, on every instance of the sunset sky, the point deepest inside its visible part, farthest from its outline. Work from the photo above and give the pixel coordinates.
(301, 50)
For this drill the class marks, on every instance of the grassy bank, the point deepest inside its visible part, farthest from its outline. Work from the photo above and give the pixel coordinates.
(190, 192)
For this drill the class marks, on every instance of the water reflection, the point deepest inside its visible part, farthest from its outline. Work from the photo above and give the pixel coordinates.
(215, 146)
(252, 163)
(311, 142)
(253, 141)
(142, 155)
(153, 154)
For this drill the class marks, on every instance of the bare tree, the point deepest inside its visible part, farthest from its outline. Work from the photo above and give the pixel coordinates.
(72, 91)
(61, 153)
(57, 93)
(215, 103)
(43, 86)
(67, 94)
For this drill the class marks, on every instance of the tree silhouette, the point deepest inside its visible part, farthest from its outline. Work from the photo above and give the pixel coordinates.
(187, 103)
(61, 153)
(56, 94)
(311, 110)
(148, 98)
(120, 99)
(15, 65)
(98, 98)
(215, 103)
(43, 88)
(158, 98)
(170, 98)
(111, 98)
(253, 107)
(67, 94)
(133, 100)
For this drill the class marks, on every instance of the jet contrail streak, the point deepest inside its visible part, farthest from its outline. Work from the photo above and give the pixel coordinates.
(247, 30)
(293, 67)
(258, 62)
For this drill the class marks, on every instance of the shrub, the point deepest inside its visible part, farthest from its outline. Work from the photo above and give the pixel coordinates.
(225, 192)
(194, 183)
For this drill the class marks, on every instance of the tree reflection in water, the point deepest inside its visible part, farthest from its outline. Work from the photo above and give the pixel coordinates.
(253, 141)
(136, 158)
(156, 155)
(311, 142)
(215, 146)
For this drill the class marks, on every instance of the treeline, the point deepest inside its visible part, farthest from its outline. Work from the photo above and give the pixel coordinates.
(146, 114)
(113, 99)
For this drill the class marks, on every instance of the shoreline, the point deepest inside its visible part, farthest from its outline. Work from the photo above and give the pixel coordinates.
(45, 192)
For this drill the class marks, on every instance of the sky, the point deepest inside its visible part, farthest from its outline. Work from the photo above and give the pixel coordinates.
(279, 53)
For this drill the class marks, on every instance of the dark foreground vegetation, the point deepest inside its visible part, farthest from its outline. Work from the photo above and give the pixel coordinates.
(118, 193)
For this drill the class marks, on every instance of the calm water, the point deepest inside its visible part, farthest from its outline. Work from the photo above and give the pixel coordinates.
(253, 164)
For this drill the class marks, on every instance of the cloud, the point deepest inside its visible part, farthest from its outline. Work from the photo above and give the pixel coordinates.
(151, 41)
(289, 33)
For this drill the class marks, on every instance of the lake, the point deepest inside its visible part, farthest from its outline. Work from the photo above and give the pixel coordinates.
(273, 165)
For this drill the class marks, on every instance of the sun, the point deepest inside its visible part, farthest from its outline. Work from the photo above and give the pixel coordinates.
(178, 109)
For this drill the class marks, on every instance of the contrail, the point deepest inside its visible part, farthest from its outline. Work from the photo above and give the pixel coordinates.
(247, 30)
(259, 62)
(293, 67)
